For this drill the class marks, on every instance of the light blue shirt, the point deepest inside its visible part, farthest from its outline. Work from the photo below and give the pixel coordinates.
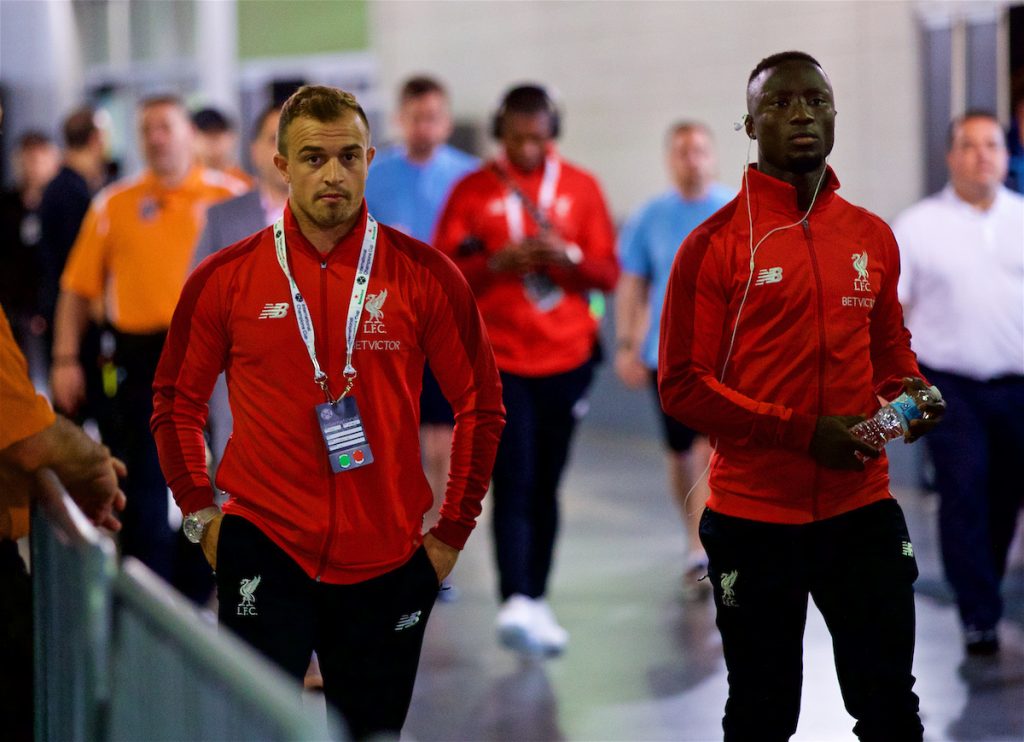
(649, 241)
(410, 196)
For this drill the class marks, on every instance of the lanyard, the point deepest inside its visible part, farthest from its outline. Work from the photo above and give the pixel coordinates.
(355, 305)
(546, 197)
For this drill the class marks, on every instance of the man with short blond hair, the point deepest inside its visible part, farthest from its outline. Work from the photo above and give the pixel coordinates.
(324, 322)
(962, 255)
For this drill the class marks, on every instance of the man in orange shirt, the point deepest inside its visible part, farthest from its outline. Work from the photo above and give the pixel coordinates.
(132, 254)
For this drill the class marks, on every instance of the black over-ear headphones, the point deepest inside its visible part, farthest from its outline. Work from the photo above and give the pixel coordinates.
(526, 99)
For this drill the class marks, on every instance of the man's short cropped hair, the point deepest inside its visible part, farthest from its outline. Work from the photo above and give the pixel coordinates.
(257, 125)
(79, 127)
(32, 139)
(972, 113)
(528, 99)
(781, 58)
(163, 99)
(418, 86)
(318, 102)
(685, 126)
(211, 121)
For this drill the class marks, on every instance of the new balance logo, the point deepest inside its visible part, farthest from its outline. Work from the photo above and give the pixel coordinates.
(908, 549)
(408, 621)
(768, 275)
(274, 311)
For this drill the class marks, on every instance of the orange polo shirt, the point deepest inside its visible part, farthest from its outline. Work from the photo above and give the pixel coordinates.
(23, 413)
(135, 245)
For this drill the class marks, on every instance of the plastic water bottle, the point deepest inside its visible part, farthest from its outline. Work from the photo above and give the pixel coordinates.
(893, 420)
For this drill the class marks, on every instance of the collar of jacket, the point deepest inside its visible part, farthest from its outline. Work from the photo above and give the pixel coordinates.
(779, 197)
(347, 247)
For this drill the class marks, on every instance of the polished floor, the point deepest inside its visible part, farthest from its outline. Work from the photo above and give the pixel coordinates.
(643, 663)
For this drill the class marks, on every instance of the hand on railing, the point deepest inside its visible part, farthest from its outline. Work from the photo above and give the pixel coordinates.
(84, 467)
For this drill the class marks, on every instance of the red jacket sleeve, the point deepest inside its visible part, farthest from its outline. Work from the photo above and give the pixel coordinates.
(193, 356)
(891, 356)
(456, 225)
(600, 267)
(694, 339)
(455, 342)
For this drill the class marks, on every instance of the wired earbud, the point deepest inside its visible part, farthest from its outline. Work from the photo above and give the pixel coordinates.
(750, 277)
(754, 248)
(738, 125)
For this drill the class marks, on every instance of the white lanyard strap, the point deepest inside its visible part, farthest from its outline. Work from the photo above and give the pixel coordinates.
(545, 199)
(355, 305)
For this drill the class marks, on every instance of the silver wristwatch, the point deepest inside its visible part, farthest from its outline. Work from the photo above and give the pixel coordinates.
(195, 523)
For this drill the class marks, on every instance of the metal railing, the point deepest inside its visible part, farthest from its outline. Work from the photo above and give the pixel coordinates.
(119, 655)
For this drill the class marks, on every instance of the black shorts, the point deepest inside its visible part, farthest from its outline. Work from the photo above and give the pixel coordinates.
(678, 437)
(434, 408)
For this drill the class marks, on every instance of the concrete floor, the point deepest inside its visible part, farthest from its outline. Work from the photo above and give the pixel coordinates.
(643, 664)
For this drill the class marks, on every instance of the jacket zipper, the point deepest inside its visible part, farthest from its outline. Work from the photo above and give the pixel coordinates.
(330, 474)
(821, 349)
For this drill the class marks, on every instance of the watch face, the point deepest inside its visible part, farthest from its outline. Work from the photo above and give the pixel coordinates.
(193, 528)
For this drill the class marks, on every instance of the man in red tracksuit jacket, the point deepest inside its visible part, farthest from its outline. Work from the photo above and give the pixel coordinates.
(781, 325)
(532, 234)
(323, 323)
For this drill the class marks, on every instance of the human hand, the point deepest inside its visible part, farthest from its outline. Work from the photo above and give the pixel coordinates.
(210, 538)
(67, 384)
(931, 404)
(515, 257)
(95, 499)
(630, 369)
(441, 555)
(548, 248)
(835, 447)
(88, 472)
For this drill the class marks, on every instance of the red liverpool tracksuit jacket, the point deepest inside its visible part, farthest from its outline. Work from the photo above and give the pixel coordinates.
(355, 525)
(820, 333)
(528, 341)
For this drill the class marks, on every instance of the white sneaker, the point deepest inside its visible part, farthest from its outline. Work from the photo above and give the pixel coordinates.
(516, 624)
(553, 638)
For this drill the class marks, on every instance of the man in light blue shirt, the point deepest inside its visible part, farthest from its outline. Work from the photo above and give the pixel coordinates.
(647, 247)
(407, 188)
(410, 182)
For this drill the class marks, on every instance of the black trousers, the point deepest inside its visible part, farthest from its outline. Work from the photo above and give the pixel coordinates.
(367, 636)
(15, 645)
(541, 415)
(145, 532)
(977, 453)
(859, 568)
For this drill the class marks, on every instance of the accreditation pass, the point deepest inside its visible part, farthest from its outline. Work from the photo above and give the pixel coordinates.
(342, 429)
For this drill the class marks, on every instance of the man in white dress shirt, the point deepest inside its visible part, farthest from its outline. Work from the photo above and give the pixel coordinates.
(962, 288)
